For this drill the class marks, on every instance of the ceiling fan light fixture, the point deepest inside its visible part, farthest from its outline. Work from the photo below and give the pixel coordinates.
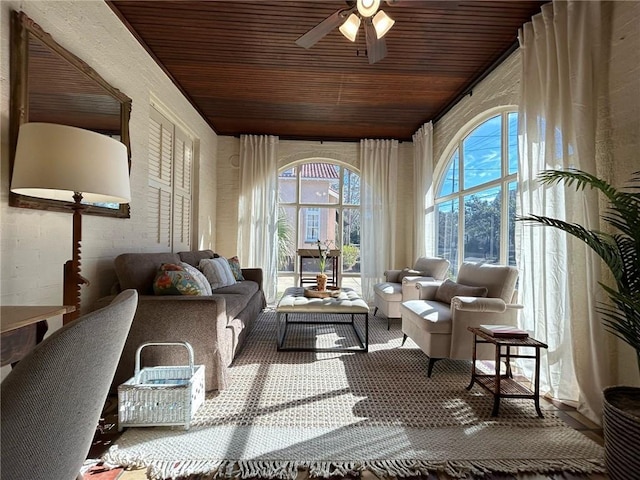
(382, 23)
(367, 8)
(350, 27)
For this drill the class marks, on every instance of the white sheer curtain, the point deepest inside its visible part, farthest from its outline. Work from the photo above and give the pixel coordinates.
(379, 169)
(257, 216)
(558, 119)
(423, 237)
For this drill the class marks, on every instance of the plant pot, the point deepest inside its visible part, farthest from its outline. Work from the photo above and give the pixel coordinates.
(621, 427)
(321, 279)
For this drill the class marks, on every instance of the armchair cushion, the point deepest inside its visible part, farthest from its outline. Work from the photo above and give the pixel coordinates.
(449, 289)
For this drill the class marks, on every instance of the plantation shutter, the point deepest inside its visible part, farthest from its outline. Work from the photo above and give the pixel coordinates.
(183, 162)
(169, 184)
(160, 178)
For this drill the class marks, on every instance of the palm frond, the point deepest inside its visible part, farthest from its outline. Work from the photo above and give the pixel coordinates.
(620, 251)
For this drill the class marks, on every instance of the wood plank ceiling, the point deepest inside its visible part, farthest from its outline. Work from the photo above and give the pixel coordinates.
(238, 63)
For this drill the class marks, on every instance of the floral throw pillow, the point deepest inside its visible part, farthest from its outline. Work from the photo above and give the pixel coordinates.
(172, 279)
(234, 264)
(199, 277)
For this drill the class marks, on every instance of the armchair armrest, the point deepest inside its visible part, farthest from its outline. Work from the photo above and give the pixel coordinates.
(482, 304)
(427, 289)
(409, 290)
(391, 276)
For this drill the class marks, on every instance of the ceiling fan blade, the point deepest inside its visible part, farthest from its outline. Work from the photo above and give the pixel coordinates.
(376, 47)
(314, 35)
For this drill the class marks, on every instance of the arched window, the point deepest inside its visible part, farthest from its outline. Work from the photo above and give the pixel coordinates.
(476, 194)
(318, 201)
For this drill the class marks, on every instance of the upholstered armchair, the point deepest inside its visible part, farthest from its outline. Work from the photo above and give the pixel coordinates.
(399, 285)
(437, 320)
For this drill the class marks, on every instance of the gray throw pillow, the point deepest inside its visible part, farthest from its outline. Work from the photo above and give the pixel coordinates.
(449, 289)
(408, 272)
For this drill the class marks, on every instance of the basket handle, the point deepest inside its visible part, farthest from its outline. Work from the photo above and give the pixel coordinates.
(186, 345)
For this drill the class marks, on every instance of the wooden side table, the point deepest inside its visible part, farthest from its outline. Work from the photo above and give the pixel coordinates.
(504, 386)
(23, 327)
(332, 259)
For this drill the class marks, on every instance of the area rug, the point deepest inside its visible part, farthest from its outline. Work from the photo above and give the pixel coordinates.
(338, 414)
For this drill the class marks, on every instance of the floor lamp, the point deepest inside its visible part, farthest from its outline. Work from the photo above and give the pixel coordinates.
(68, 163)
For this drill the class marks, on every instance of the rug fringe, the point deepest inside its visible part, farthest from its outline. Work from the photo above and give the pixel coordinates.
(288, 470)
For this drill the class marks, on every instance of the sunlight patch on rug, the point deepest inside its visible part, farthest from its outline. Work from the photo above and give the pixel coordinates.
(338, 414)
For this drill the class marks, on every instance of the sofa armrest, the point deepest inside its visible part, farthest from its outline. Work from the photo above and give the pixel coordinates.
(409, 290)
(199, 320)
(427, 289)
(254, 274)
(391, 276)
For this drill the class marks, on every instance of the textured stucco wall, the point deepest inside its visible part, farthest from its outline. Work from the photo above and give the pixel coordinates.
(35, 244)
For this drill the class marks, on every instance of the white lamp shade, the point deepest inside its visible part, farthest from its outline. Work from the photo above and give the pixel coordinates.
(367, 8)
(54, 161)
(350, 27)
(382, 23)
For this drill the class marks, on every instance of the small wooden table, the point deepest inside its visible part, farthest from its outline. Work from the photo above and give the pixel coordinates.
(504, 386)
(23, 327)
(309, 253)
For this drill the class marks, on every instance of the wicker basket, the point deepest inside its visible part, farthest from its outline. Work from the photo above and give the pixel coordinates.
(164, 395)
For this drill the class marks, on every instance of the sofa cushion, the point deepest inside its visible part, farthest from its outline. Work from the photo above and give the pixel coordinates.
(199, 277)
(246, 288)
(449, 289)
(172, 279)
(194, 257)
(217, 271)
(138, 270)
(429, 315)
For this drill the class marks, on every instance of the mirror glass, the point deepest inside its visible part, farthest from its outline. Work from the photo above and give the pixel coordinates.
(50, 84)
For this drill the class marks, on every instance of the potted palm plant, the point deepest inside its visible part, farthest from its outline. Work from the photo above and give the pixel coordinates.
(620, 251)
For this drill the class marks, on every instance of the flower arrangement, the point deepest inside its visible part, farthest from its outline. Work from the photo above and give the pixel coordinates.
(324, 248)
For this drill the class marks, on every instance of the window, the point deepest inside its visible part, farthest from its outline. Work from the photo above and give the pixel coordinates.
(318, 201)
(169, 183)
(312, 227)
(476, 195)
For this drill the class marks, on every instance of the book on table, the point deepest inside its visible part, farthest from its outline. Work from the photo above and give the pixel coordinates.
(504, 331)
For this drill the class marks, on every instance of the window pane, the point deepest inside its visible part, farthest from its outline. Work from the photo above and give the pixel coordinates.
(316, 224)
(482, 153)
(350, 240)
(287, 186)
(513, 193)
(447, 224)
(482, 226)
(513, 143)
(451, 180)
(286, 238)
(319, 183)
(351, 188)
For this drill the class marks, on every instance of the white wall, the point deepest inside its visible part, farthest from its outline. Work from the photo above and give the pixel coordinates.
(35, 244)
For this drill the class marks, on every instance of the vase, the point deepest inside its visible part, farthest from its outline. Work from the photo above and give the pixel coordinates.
(621, 427)
(321, 279)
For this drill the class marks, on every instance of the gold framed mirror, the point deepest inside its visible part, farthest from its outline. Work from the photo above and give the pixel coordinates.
(50, 84)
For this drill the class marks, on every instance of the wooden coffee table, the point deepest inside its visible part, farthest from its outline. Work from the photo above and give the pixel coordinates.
(345, 302)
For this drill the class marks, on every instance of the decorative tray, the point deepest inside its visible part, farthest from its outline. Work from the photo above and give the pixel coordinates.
(313, 292)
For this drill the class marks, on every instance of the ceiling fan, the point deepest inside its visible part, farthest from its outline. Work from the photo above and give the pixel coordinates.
(376, 24)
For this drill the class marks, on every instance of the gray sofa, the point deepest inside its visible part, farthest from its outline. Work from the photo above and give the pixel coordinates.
(216, 326)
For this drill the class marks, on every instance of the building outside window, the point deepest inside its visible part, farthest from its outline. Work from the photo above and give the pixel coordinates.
(318, 201)
(476, 194)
